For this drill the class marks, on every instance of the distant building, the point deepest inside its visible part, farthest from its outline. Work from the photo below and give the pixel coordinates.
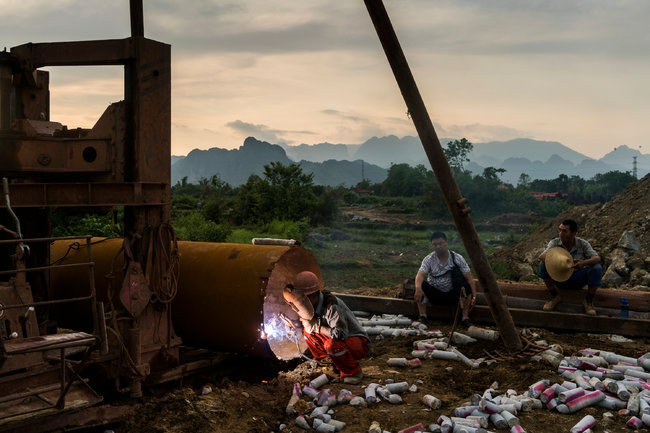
(550, 196)
(361, 191)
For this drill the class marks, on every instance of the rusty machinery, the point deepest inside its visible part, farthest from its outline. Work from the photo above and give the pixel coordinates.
(122, 309)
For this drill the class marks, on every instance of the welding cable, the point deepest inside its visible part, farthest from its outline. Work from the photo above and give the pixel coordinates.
(76, 246)
(163, 270)
(302, 355)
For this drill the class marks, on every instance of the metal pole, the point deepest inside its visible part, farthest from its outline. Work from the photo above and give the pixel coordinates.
(137, 18)
(455, 202)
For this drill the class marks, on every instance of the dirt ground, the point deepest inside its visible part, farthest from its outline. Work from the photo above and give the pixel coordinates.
(250, 395)
(253, 396)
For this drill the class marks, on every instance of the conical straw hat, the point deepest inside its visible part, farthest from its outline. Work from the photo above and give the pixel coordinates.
(559, 264)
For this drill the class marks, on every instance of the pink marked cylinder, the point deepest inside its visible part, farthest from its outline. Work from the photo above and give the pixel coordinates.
(421, 354)
(571, 394)
(464, 411)
(344, 397)
(547, 395)
(397, 362)
(413, 428)
(319, 381)
(585, 423)
(517, 429)
(583, 365)
(327, 400)
(309, 391)
(634, 422)
(488, 407)
(582, 402)
(583, 382)
(446, 426)
(536, 389)
(431, 401)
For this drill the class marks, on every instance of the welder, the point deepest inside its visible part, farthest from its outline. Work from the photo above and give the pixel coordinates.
(329, 327)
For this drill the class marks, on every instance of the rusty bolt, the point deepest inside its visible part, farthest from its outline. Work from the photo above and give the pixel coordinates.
(44, 159)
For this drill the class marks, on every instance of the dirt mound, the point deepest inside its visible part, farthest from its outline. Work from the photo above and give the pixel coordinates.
(618, 231)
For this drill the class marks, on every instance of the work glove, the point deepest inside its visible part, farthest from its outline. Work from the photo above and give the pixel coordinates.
(299, 302)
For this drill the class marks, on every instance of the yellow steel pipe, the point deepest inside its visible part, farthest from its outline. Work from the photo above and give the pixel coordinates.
(229, 295)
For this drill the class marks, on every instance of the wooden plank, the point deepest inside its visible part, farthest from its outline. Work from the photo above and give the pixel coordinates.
(570, 322)
(609, 298)
(555, 320)
(563, 307)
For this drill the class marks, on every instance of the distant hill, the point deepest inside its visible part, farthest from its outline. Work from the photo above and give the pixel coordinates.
(346, 173)
(533, 150)
(321, 152)
(538, 159)
(233, 166)
(384, 151)
(237, 165)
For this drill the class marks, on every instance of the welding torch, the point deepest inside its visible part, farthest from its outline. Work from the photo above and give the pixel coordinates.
(287, 321)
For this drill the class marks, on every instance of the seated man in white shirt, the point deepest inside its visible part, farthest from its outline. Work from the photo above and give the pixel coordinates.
(444, 278)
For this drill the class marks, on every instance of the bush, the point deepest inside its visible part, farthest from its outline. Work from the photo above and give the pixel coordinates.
(502, 271)
(241, 236)
(94, 225)
(194, 227)
(287, 229)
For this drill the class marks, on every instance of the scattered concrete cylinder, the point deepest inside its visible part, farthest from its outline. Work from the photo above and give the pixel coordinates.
(585, 423)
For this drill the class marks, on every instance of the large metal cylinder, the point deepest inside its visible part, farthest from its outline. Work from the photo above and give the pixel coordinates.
(229, 295)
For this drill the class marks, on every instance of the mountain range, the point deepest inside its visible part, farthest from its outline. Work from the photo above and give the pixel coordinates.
(345, 164)
(237, 165)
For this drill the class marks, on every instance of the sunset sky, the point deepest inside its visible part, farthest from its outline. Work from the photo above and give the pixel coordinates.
(313, 71)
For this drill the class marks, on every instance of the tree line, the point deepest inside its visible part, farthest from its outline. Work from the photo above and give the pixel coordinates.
(489, 196)
(285, 201)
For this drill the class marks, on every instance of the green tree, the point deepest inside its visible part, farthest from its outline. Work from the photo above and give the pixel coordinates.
(285, 194)
(491, 174)
(604, 185)
(524, 181)
(404, 180)
(457, 153)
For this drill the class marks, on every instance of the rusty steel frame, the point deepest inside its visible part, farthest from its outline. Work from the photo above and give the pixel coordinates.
(124, 160)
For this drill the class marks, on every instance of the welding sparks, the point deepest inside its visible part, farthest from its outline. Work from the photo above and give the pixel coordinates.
(277, 329)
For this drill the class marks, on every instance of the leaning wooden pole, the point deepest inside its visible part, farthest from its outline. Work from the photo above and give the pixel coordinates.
(455, 202)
